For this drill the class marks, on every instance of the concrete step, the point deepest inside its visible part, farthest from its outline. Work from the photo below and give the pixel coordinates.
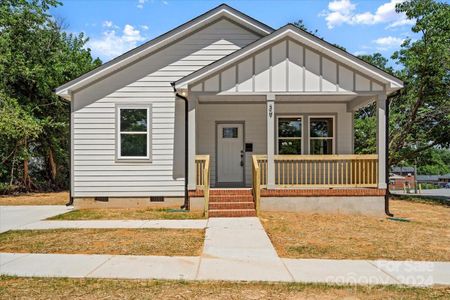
(231, 205)
(231, 198)
(232, 213)
(230, 192)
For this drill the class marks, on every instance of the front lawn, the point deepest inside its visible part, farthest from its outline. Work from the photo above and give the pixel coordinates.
(167, 242)
(128, 214)
(64, 288)
(59, 198)
(306, 235)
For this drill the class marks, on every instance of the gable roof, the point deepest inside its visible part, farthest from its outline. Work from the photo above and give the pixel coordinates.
(219, 12)
(289, 30)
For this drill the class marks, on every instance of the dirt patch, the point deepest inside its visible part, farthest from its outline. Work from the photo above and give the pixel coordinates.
(303, 235)
(128, 214)
(167, 242)
(53, 288)
(60, 198)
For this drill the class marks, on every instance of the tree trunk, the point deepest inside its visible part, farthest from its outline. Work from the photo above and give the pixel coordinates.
(52, 163)
(26, 174)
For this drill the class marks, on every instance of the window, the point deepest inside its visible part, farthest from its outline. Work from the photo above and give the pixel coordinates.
(289, 138)
(321, 135)
(230, 133)
(133, 132)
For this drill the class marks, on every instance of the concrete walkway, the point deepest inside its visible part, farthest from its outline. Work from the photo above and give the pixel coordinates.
(169, 224)
(14, 217)
(235, 249)
(194, 268)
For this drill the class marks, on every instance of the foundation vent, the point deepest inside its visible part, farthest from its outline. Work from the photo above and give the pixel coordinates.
(101, 199)
(157, 199)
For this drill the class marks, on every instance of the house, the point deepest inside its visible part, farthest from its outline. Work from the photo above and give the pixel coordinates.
(402, 178)
(268, 124)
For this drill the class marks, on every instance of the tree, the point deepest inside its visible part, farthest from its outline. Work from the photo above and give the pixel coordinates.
(36, 56)
(421, 113)
(365, 118)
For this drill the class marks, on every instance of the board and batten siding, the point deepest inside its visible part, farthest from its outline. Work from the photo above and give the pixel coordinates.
(95, 169)
(286, 67)
(254, 117)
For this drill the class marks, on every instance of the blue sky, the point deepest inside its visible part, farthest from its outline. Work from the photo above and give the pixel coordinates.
(115, 26)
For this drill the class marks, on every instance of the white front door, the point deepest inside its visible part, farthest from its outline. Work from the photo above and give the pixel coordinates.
(230, 154)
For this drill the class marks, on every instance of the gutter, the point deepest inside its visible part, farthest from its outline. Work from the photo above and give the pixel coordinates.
(386, 197)
(186, 204)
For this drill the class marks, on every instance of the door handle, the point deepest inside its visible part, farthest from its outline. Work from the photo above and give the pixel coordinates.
(242, 158)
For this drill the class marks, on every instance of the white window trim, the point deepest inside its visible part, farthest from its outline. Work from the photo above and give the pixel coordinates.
(333, 150)
(291, 138)
(119, 133)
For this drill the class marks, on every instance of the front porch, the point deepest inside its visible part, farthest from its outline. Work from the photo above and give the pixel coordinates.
(277, 117)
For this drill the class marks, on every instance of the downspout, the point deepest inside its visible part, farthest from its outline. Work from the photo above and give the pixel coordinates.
(386, 196)
(186, 204)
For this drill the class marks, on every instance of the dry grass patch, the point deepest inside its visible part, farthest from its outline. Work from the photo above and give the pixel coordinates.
(128, 214)
(62, 288)
(168, 242)
(303, 235)
(60, 198)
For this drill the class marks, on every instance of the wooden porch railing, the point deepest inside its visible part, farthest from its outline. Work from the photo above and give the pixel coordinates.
(203, 171)
(256, 186)
(321, 170)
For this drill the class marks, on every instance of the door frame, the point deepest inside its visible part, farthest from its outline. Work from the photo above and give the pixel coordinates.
(229, 184)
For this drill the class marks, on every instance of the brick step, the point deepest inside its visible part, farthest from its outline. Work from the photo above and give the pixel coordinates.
(232, 213)
(231, 205)
(230, 192)
(231, 198)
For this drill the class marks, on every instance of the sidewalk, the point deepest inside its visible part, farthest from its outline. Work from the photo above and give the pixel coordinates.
(235, 249)
(190, 268)
(133, 224)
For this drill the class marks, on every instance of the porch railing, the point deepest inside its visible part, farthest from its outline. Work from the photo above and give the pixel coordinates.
(256, 177)
(202, 180)
(321, 170)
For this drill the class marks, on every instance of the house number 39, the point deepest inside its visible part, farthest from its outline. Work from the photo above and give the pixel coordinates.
(270, 111)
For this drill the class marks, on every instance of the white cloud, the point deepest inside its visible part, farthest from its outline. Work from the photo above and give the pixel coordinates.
(112, 43)
(388, 41)
(145, 27)
(141, 3)
(343, 11)
(107, 24)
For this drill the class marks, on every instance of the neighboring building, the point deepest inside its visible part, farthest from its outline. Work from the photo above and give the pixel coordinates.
(262, 103)
(402, 178)
(444, 179)
(431, 179)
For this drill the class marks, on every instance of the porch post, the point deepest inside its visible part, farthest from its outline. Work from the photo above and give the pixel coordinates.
(381, 140)
(192, 184)
(270, 115)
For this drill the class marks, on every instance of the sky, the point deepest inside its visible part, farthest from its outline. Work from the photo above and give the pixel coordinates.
(116, 26)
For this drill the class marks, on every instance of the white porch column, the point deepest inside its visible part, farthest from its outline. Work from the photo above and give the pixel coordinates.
(192, 144)
(270, 115)
(381, 140)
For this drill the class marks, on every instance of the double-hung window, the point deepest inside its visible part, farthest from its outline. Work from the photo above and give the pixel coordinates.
(321, 135)
(133, 134)
(289, 137)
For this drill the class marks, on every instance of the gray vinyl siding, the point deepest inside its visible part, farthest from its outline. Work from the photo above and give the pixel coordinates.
(254, 116)
(95, 169)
